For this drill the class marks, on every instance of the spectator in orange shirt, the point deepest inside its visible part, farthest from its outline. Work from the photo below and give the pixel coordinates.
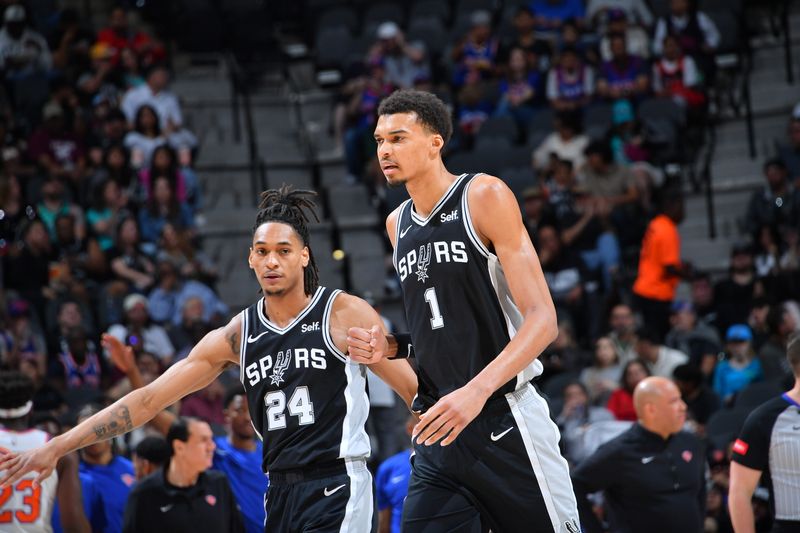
(660, 266)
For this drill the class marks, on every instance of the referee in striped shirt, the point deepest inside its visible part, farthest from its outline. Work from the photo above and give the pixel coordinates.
(769, 446)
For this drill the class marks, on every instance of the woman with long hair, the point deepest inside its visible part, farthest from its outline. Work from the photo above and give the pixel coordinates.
(165, 163)
(163, 206)
(621, 401)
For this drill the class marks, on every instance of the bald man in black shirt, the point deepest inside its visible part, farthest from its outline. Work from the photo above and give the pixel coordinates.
(653, 475)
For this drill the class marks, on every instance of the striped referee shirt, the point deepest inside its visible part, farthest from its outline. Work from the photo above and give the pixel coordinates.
(770, 442)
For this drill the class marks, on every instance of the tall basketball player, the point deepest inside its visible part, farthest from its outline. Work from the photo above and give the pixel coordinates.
(480, 313)
(25, 506)
(307, 398)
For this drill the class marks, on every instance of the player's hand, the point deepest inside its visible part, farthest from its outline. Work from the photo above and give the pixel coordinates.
(449, 416)
(41, 460)
(121, 355)
(367, 345)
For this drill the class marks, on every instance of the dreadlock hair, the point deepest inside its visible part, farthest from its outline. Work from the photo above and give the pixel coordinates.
(16, 389)
(292, 207)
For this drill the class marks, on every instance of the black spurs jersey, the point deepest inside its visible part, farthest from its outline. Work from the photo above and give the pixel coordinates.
(308, 402)
(458, 305)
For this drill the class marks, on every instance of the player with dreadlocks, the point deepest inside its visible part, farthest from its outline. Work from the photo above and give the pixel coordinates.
(307, 397)
(26, 507)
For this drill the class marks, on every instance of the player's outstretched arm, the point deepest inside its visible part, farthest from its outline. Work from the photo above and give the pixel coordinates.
(497, 219)
(207, 360)
(351, 313)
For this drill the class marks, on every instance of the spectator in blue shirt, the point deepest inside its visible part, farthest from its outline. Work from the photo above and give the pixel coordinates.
(239, 455)
(741, 368)
(551, 14)
(391, 484)
(112, 474)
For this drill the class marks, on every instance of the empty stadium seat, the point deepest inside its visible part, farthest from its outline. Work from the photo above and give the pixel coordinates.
(351, 207)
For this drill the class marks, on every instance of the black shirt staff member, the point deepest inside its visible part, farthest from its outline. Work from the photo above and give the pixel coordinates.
(184, 496)
(770, 444)
(653, 475)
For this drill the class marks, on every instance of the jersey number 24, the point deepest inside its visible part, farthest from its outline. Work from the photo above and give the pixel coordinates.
(299, 405)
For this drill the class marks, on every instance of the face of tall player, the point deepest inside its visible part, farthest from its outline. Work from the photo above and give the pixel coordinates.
(278, 257)
(406, 147)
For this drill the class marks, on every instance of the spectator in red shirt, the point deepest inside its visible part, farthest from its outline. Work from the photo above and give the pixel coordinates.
(119, 36)
(621, 401)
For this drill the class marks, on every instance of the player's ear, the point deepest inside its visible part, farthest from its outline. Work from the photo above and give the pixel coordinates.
(305, 256)
(249, 256)
(437, 143)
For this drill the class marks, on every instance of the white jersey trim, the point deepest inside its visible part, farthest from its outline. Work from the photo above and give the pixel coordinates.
(397, 230)
(468, 225)
(540, 437)
(358, 512)
(326, 329)
(242, 345)
(272, 327)
(446, 196)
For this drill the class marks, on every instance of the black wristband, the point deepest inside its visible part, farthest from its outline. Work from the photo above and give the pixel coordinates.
(404, 348)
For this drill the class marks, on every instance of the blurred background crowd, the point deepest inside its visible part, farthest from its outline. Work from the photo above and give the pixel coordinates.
(595, 113)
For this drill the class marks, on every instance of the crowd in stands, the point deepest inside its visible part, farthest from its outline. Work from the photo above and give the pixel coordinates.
(99, 210)
(100, 204)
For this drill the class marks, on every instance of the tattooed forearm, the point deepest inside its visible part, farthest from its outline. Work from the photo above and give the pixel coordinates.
(233, 341)
(118, 423)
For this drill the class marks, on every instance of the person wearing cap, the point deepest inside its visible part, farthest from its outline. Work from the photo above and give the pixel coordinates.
(184, 496)
(689, 335)
(23, 51)
(652, 475)
(403, 62)
(139, 332)
(636, 38)
(768, 450)
(603, 12)
(740, 367)
(624, 75)
(57, 150)
(475, 55)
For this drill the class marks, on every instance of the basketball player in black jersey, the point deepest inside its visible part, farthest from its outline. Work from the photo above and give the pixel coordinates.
(479, 313)
(307, 398)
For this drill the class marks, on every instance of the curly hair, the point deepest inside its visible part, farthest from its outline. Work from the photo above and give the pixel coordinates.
(16, 389)
(295, 208)
(431, 112)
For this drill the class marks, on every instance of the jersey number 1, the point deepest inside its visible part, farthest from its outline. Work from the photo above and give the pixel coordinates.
(299, 405)
(430, 296)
